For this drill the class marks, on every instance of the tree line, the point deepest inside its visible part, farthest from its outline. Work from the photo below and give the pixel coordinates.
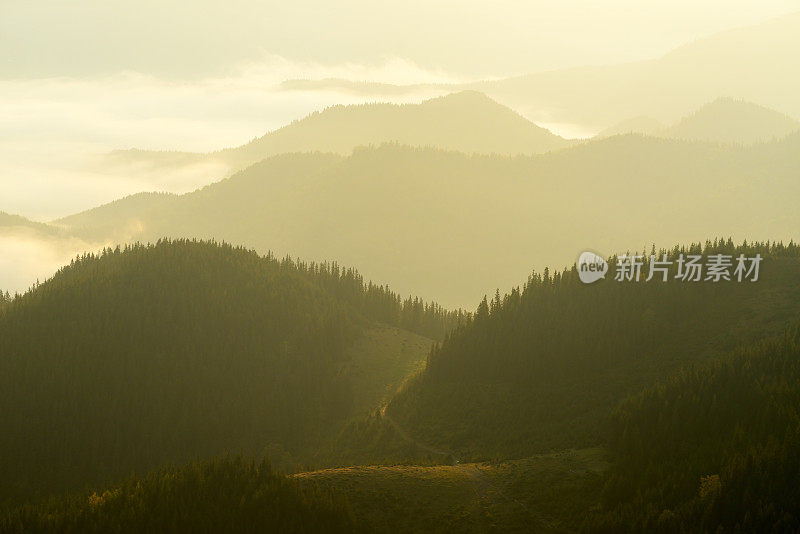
(224, 494)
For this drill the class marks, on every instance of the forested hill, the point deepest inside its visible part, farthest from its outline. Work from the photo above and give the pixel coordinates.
(182, 349)
(713, 448)
(543, 367)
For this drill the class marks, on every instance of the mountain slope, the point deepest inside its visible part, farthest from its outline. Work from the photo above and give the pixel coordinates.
(732, 121)
(458, 226)
(467, 121)
(162, 353)
(724, 121)
(16, 223)
(124, 214)
(543, 367)
(713, 448)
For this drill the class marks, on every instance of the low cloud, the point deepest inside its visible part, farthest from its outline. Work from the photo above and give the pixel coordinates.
(55, 130)
(26, 257)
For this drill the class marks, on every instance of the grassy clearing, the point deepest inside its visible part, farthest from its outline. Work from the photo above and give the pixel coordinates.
(380, 361)
(545, 493)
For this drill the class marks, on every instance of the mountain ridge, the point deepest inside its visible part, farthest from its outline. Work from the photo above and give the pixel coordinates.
(467, 121)
(447, 203)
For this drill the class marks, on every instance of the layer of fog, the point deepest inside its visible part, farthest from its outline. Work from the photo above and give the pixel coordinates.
(54, 133)
(53, 130)
(26, 258)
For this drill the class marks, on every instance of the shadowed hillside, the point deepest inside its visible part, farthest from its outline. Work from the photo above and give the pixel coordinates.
(166, 352)
(221, 495)
(713, 448)
(543, 367)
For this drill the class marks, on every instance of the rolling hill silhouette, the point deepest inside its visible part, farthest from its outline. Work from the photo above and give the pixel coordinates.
(10, 223)
(726, 120)
(466, 121)
(416, 217)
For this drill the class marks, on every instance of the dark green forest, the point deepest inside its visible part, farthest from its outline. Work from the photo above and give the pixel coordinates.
(165, 353)
(221, 495)
(714, 448)
(149, 354)
(542, 368)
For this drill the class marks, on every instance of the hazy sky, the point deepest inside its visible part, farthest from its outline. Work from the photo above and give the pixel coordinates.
(190, 39)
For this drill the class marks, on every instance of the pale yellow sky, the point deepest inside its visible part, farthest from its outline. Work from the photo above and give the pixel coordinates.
(86, 77)
(198, 38)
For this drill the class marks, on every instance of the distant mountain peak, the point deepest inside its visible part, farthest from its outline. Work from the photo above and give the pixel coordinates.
(733, 120)
(468, 121)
